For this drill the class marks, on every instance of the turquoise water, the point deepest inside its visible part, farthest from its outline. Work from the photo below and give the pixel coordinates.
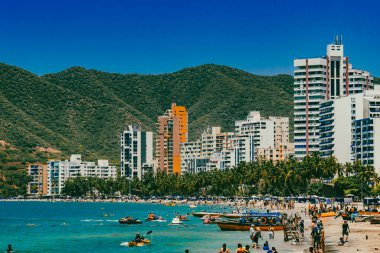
(94, 227)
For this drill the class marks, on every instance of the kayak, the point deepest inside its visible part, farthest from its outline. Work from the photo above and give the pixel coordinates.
(129, 221)
(144, 242)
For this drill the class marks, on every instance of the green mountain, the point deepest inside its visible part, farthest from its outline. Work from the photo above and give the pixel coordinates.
(83, 111)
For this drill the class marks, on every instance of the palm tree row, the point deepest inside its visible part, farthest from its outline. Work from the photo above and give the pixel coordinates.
(284, 178)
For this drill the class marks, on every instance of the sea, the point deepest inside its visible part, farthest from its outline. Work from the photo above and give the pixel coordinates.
(93, 227)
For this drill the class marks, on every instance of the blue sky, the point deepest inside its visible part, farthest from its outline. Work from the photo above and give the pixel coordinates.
(141, 36)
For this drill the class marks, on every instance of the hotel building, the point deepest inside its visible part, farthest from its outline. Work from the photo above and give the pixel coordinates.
(172, 131)
(348, 126)
(318, 79)
(136, 151)
(38, 174)
(57, 172)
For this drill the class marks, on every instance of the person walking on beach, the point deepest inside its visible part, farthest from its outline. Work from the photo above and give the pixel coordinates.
(345, 230)
(271, 232)
(257, 236)
(252, 232)
(224, 249)
(302, 228)
(316, 235)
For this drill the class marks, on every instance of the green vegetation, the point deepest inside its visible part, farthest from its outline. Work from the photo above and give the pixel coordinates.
(83, 111)
(290, 177)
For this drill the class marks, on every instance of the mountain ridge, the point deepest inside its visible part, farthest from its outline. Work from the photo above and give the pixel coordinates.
(81, 110)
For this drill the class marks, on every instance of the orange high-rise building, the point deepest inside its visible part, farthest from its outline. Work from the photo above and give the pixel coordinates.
(172, 131)
(181, 113)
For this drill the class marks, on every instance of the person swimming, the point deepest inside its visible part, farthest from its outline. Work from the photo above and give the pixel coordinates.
(224, 249)
(240, 249)
(9, 249)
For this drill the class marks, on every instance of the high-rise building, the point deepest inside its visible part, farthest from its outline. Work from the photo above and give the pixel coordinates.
(261, 130)
(181, 113)
(136, 150)
(190, 151)
(366, 142)
(172, 131)
(317, 79)
(214, 141)
(281, 130)
(341, 119)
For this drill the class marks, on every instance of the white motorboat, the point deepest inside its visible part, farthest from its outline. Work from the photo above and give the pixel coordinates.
(176, 221)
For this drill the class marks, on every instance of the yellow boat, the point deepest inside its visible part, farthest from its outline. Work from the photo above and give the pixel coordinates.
(328, 214)
(139, 244)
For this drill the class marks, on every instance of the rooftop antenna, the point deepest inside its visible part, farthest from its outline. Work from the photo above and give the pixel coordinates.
(341, 39)
(336, 40)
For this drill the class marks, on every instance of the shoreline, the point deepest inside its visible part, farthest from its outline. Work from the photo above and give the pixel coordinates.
(357, 241)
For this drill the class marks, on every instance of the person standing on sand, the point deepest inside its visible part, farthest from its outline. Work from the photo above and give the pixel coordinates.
(271, 232)
(345, 230)
(224, 249)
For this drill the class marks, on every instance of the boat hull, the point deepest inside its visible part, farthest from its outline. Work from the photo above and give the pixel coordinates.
(232, 226)
(201, 214)
(369, 213)
(139, 244)
(130, 222)
(329, 214)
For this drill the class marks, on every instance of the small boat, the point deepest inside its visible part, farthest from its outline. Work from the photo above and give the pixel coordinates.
(236, 226)
(158, 219)
(144, 242)
(176, 221)
(192, 206)
(369, 213)
(328, 214)
(258, 220)
(129, 221)
(201, 214)
(210, 220)
(375, 220)
(183, 218)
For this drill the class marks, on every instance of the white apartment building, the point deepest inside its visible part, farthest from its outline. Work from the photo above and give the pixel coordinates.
(214, 141)
(281, 130)
(317, 79)
(366, 142)
(340, 122)
(190, 151)
(59, 171)
(261, 130)
(136, 150)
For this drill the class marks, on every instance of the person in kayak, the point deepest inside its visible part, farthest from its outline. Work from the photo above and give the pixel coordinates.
(138, 238)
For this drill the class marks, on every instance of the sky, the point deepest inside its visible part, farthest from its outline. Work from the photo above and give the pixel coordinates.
(160, 36)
